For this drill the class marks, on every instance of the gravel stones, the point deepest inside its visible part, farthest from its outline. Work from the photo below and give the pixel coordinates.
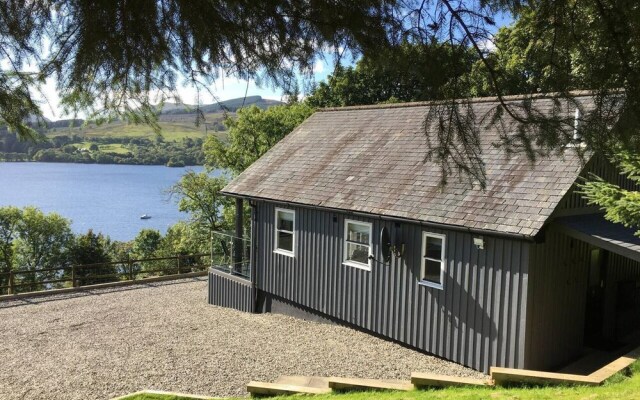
(103, 343)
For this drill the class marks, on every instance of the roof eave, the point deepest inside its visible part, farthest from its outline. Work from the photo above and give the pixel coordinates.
(462, 228)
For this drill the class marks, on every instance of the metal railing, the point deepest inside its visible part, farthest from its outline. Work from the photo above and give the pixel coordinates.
(231, 254)
(20, 281)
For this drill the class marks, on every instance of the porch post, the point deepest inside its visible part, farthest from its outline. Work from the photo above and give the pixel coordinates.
(238, 245)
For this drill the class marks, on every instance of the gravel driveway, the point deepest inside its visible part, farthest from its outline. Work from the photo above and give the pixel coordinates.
(164, 336)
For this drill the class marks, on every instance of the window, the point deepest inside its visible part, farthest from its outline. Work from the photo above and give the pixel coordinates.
(357, 244)
(285, 236)
(432, 266)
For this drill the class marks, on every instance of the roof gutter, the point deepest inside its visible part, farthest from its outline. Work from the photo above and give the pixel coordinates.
(390, 218)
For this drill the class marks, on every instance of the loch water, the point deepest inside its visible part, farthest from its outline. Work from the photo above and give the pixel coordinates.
(106, 198)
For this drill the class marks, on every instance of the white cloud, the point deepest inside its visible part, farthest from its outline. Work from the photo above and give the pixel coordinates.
(319, 67)
(487, 45)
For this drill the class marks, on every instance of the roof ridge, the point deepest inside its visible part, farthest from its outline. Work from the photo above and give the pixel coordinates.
(474, 100)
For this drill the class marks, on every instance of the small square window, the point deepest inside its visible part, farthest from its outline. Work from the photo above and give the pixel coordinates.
(433, 260)
(357, 246)
(285, 233)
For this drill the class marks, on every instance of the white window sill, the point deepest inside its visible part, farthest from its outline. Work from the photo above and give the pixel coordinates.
(357, 265)
(284, 252)
(431, 284)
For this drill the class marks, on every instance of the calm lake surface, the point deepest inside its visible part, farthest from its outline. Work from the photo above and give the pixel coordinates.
(106, 198)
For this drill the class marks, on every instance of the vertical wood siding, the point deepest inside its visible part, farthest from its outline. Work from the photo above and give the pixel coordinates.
(477, 320)
(619, 269)
(558, 274)
(231, 292)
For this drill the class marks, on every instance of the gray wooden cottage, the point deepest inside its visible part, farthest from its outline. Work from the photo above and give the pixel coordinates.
(523, 274)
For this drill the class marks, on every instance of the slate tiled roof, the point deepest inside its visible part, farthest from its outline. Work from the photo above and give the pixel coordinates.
(372, 160)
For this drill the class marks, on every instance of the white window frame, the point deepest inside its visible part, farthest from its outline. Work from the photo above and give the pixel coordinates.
(293, 233)
(424, 258)
(351, 263)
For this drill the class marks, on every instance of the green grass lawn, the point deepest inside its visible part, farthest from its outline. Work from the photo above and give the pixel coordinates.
(619, 387)
(170, 131)
(114, 148)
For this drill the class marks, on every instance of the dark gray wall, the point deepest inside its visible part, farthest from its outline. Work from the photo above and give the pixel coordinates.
(478, 319)
(558, 279)
(230, 291)
(557, 296)
(620, 319)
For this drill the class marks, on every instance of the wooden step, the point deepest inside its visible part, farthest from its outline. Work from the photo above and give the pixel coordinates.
(617, 365)
(369, 384)
(434, 380)
(275, 389)
(503, 376)
(299, 380)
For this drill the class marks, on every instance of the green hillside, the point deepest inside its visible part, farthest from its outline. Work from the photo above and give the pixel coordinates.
(173, 128)
(178, 143)
(177, 121)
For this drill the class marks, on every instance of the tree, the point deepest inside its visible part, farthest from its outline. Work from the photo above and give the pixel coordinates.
(43, 242)
(146, 243)
(251, 133)
(408, 72)
(620, 205)
(10, 217)
(110, 57)
(199, 195)
(94, 249)
(186, 239)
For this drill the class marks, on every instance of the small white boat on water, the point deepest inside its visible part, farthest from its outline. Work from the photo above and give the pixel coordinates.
(145, 216)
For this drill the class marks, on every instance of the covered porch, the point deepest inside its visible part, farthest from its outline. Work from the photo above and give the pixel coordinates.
(612, 310)
(232, 275)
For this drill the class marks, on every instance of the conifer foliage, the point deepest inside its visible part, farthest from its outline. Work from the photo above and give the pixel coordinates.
(620, 205)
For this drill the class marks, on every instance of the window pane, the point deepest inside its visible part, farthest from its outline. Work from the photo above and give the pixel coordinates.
(358, 233)
(285, 241)
(358, 253)
(285, 221)
(433, 248)
(431, 271)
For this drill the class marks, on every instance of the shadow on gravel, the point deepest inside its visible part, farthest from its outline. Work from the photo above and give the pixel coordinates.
(94, 292)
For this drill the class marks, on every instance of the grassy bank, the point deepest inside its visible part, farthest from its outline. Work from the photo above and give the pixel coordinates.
(174, 128)
(619, 387)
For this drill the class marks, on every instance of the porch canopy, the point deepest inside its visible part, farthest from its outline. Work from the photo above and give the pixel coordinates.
(597, 231)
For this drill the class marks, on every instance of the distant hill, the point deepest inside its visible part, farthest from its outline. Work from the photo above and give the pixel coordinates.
(228, 105)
